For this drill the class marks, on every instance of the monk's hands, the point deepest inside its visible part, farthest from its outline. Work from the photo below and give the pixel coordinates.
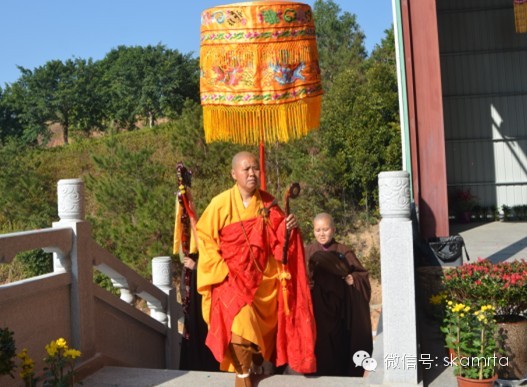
(349, 279)
(291, 222)
(189, 263)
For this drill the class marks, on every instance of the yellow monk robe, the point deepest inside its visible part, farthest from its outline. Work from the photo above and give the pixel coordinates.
(256, 322)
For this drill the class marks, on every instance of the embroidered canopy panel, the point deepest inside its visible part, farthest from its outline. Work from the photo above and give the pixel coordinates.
(260, 79)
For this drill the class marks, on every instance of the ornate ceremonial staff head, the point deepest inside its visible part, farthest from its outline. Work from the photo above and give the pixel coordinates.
(260, 79)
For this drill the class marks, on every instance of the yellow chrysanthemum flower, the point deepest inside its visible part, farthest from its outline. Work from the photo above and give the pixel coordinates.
(436, 299)
(72, 353)
(27, 364)
(458, 308)
(61, 343)
(52, 348)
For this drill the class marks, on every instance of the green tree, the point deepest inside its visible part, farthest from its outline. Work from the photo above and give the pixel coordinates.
(382, 85)
(10, 125)
(147, 83)
(210, 163)
(135, 204)
(88, 109)
(33, 113)
(361, 123)
(27, 201)
(340, 40)
(58, 92)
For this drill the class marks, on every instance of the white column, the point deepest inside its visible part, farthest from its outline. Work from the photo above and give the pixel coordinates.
(162, 273)
(70, 203)
(398, 289)
(70, 195)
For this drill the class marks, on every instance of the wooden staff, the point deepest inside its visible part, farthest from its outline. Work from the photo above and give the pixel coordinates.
(284, 276)
(187, 216)
(292, 193)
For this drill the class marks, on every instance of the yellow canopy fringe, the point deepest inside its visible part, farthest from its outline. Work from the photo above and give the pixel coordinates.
(248, 124)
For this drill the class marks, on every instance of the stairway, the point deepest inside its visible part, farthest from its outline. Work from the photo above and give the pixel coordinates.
(141, 377)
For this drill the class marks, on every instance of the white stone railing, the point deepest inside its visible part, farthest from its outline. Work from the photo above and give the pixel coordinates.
(76, 253)
(131, 285)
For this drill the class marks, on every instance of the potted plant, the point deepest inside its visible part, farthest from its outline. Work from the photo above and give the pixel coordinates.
(480, 213)
(504, 286)
(507, 212)
(470, 337)
(520, 212)
(463, 202)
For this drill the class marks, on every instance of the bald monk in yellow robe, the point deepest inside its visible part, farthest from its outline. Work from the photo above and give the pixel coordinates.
(255, 307)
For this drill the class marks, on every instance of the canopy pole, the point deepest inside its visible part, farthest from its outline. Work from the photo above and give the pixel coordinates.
(263, 184)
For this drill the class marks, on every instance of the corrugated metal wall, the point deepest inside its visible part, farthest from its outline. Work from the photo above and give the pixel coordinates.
(484, 80)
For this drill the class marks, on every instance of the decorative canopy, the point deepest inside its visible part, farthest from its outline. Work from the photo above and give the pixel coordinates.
(260, 79)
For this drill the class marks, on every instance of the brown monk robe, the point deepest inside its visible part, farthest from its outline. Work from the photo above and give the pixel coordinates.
(195, 355)
(340, 290)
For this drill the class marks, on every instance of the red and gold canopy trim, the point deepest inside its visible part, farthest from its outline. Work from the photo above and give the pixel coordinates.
(260, 79)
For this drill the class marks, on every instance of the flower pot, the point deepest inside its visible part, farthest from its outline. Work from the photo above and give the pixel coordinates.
(464, 217)
(512, 338)
(466, 382)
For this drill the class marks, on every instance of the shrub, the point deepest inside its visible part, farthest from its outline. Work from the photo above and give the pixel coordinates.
(7, 352)
(503, 285)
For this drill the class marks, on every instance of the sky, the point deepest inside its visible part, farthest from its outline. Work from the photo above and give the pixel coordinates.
(33, 32)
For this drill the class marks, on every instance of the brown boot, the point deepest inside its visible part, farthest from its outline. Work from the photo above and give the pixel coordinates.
(243, 380)
(241, 353)
(257, 362)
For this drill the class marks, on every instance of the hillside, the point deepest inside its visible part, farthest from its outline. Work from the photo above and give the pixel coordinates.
(131, 182)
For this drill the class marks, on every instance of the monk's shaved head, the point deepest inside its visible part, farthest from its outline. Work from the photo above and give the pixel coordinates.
(324, 228)
(246, 173)
(240, 156)
(325, 216)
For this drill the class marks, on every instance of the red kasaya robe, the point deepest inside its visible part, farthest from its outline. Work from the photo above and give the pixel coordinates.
(241, 271)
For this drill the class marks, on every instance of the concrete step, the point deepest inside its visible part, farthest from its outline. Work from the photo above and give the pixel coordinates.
(431, 343)
(141, 377)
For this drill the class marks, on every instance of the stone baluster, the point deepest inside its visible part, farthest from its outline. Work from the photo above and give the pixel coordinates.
(127, 295)
(397, 272)
(70, 203)
(162, 278)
